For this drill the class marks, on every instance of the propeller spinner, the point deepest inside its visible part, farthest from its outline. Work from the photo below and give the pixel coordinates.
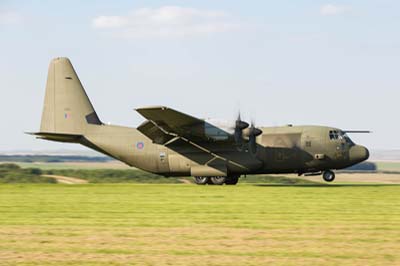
(239, 127)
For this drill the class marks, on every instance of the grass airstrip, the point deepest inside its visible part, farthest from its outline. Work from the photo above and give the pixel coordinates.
(179, 224)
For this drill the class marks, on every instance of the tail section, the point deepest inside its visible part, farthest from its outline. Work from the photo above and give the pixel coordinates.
(67, 109)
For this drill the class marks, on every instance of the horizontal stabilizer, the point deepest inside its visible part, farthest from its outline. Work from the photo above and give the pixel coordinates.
(57, 136)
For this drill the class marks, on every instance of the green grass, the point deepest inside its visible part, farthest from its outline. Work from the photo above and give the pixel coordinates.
(52, 158)
(139, 176)
(12, 173)
(113, 175)
(60, 165)
(137, 224)
(20, 174)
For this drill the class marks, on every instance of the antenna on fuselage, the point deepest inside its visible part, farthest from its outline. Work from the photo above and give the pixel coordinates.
(357, 131)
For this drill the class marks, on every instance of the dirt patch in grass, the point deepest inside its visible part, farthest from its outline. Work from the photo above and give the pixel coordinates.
(67, 180)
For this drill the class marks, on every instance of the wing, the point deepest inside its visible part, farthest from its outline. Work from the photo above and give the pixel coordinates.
(195, 138)
(155, 133)
(171, 122)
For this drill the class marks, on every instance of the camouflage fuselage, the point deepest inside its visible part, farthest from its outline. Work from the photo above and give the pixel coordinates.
(173, 143)
(288, 149)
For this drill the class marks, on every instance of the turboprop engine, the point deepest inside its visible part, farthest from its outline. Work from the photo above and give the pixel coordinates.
(240, 131)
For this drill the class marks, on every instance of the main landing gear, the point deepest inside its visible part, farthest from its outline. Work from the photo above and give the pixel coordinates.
(201, 180)
(216, 180)
(328, 176)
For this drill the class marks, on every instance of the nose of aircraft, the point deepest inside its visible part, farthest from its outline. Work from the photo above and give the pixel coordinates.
(358, 153)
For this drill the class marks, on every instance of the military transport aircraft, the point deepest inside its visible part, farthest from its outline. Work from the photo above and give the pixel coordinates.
(171, 143)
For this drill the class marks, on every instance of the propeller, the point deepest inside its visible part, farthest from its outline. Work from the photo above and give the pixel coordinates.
(244, 131)
(253, 133)
(239, 127)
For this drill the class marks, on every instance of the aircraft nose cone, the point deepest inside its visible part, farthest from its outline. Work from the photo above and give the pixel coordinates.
(358, 153)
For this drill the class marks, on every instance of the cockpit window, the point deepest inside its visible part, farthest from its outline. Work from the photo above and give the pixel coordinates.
(347, 139)
(333, 134)
(338, 134)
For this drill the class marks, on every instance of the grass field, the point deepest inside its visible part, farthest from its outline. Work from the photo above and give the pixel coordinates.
(132, 224)
(74, 165)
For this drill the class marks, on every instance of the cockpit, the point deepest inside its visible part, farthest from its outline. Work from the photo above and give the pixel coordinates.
(340, 135)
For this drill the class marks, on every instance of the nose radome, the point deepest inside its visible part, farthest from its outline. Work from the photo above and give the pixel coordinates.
(366, 153)
(358, 153)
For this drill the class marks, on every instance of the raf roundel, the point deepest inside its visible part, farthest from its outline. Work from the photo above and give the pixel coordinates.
(140, 145)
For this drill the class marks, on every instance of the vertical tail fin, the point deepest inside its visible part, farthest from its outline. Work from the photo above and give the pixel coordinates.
(67, 109)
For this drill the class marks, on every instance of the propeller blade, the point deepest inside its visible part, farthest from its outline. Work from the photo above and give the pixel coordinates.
(239, 127)
(244, 131)
(253, 133)
(252, 144)
(240, 124)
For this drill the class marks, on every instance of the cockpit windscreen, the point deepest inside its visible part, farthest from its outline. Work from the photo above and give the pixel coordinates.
(339, 135)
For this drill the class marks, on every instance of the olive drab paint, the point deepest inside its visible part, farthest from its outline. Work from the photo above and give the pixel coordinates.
(172, 143)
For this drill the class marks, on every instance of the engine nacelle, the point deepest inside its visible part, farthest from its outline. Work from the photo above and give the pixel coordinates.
(251, 131)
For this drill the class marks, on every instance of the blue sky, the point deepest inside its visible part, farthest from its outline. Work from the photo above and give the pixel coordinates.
(302, 62)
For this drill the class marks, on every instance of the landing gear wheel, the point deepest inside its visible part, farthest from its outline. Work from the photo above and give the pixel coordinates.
(218, 180)
(328, 176)
(201, 180)
(232, 180)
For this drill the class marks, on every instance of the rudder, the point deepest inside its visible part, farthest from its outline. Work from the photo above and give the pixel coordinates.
(67, 108)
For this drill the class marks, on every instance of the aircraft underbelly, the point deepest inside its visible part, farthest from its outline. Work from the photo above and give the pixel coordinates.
(233, 162)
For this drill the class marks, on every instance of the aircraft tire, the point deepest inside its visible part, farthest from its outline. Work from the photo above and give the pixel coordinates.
(328, 176)
(218, 180)
(201, 180)
(232, 180)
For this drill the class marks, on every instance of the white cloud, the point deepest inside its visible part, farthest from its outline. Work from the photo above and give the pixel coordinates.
(332, 10)
(106, 22)
(9, 18)
(167, 21)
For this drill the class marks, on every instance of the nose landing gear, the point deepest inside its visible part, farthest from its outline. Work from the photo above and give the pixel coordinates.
(328, 176)
(232, 180)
